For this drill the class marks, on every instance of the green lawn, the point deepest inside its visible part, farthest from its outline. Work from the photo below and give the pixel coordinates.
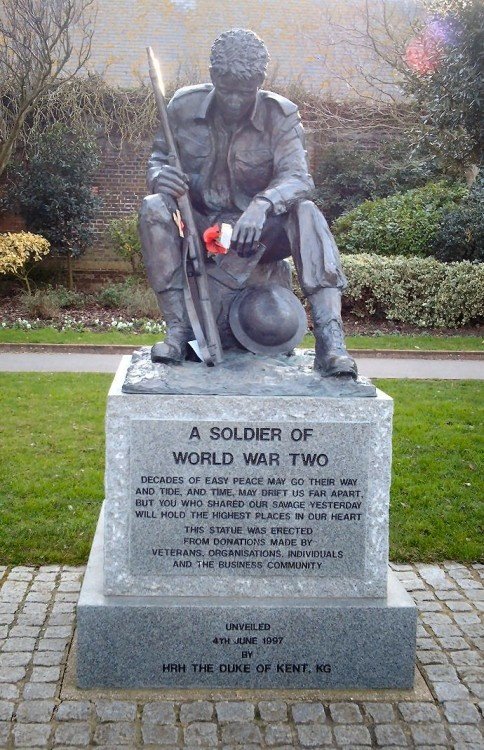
(51, 468)
(394, 341)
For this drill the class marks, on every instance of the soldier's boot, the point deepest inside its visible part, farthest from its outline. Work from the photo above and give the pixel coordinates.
(178, 329)
(332, 357)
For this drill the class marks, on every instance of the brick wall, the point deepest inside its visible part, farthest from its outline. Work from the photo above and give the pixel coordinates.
(120, 183)
(11, 223)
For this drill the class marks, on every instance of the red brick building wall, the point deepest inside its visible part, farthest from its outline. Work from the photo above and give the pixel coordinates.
(120, 183)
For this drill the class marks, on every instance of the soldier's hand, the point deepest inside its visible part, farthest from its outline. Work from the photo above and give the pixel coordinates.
(249, 228)
(171, 181)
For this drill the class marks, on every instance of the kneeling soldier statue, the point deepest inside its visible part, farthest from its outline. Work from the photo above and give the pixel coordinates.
(241, 161)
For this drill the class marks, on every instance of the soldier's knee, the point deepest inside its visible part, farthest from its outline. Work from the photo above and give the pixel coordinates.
(156, 209)
(308, 211)
(309, 207)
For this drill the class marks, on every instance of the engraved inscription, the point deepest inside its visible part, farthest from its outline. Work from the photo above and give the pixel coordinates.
(250, 648)
(225, 499)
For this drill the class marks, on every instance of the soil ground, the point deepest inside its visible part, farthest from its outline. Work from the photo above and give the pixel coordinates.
(92, 315)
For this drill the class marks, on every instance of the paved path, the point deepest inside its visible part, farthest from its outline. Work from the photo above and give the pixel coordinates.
(388, 367)
(36, 627)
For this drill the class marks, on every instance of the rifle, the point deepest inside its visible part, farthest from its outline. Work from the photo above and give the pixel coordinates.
(204, 324)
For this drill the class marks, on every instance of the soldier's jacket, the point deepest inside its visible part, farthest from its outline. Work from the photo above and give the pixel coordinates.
(266, 155)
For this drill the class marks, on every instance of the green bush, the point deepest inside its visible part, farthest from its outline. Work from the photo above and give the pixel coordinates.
(133, 298)
(347, 174)
(46, 304)
(402, 224)
(52, 189)
(124, 240)
(417, 291)
(461, 234)
(450, 94)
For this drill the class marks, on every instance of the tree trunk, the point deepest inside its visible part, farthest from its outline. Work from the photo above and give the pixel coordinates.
(70, 275)
(471, 175)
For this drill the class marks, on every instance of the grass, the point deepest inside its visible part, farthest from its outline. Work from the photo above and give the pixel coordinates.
(436, 510)
(52, 336)
(407, 341)
(383, 341)
(51, 465)
(51, 468)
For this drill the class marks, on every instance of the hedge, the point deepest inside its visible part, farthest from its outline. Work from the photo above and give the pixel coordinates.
(461, 233)
(347, 173)
(401, 224)
(418, 291)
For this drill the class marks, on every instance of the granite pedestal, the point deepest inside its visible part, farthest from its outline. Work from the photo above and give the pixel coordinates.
(244, 543)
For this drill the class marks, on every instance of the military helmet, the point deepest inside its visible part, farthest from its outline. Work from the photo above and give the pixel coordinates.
(267, 319)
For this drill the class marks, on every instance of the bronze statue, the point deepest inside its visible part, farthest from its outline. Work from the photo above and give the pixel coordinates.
(243, 163)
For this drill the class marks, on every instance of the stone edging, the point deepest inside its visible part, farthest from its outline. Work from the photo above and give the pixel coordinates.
(128, 348)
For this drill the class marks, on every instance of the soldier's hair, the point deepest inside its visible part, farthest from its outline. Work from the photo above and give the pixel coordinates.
(239, 52)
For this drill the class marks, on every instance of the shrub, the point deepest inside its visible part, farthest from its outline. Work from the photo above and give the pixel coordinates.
(124, 240)
(46, 304)
(68, 298)
(449, 92)
(19, 251)
(461, 234)
(39, 305)
(134, 299)
(417, 291)
(402, 224)
(347, 174)
(52, 190)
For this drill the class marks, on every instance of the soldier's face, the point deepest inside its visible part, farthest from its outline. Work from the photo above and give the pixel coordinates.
(235, 98)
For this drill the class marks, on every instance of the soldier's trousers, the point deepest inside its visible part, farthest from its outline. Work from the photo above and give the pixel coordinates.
(302, 232)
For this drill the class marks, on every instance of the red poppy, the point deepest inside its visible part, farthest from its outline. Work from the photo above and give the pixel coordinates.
(211, 237)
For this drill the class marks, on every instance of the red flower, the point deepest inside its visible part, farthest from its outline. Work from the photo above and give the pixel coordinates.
(211, 237)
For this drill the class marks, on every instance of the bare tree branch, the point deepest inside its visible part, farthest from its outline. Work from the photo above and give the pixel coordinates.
(43, 45)
(367, 46)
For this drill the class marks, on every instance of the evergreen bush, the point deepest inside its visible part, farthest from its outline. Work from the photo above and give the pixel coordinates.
(461, 233)
(401, 224)
(52, 190)
(19, 251)
(47, 303)
(347, 174)
(135, 299)
(417, 291)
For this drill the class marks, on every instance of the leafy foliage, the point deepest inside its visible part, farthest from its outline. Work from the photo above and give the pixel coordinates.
(18, 253)
(125, 241)
(52, 189)
(461, 233)
(418, 291)
(347, 174)
(133, 298)
(47, 304)
(401, 224)
(450, 95)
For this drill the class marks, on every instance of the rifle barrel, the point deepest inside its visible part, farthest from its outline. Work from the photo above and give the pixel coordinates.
(209, 325)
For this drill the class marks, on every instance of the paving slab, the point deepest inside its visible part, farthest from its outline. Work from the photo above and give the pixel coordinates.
(439, 712)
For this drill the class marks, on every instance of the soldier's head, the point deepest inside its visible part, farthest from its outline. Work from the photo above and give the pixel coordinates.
(238, 66)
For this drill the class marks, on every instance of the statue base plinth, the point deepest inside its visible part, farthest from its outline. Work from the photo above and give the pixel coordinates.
(242, 374)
